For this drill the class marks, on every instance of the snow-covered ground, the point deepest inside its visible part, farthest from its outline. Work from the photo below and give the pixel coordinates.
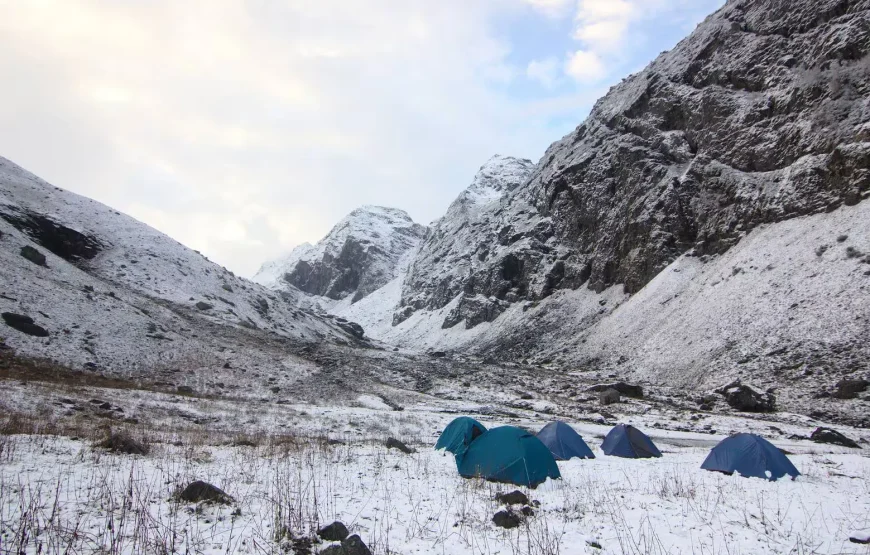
(61, 495)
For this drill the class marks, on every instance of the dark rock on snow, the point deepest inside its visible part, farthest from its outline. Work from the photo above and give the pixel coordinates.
(122, 442)
(849, 389)
(33, 255)
(202, 305)
(351, 546)
(515, 497)
(744, 398)
(199, 491)
(24, 324)
(507, 519)
(623, 388)
(334, 532)
(393, 443)
(62, 241)
(609, 397)
(827, 435)
(352, 328)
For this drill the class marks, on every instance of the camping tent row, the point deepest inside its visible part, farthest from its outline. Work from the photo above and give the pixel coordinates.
(513, 455)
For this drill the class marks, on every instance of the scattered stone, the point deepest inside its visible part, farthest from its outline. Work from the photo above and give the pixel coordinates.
(842, 238)
(122, 442)
(351, 546)
(353, 329)
(200, 491)
(33, 255)
(623, 388)
(184, 389)
(862, 538)
(827, 435)
(24, 324)
(515, 497)
(609, 397)
(335, 532)
(527, 511)
(226, 287)
(393, 443)
(849, 389)
(506, 519)
(202, 305)
(744, 398)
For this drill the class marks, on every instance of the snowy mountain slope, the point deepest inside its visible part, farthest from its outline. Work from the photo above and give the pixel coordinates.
(787, 307)
(120, 297)
(359, 255)
(759, 116)
(461, 241)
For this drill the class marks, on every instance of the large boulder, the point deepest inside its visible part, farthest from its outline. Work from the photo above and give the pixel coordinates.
(199, 491)
(352, 328)
(850, 388)
(351, 546)
(393, 443)
(335, 532)
(33, 255)
(744, 398)
(24, 324)
(122, 442)
(507, 519)
(827, 435)
(515, 497)
(609, 397)
(623, 388)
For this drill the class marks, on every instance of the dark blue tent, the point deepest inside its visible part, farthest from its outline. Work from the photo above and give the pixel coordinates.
(749, 455)
(508, 454)
(564, 442)
(459, 434)
(629, 442)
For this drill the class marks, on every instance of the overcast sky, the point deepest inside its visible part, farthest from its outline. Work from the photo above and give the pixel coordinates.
(244, 127)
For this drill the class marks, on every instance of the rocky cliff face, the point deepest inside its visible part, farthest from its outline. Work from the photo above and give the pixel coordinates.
(450, 260)
(361, 254)
(759, 116)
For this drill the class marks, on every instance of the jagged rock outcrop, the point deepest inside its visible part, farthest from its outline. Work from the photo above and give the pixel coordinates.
(456, 256)
(362, 253)
(759, 116)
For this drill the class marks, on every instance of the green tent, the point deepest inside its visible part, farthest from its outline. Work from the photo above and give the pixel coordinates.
(459, 434)
(508, 454)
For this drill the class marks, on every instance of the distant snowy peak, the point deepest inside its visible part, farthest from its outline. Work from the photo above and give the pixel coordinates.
(497, 177)
(358, 256)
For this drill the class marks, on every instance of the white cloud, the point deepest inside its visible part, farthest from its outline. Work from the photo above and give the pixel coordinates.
(545, 72)
(610, 31)
(244, 128)
(585, 66)
(602, 24)
(553, 8)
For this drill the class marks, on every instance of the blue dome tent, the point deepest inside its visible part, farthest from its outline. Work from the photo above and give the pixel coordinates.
(751, 456)
(564, 442)
(508, 454)
(629, 442)
(459, 434)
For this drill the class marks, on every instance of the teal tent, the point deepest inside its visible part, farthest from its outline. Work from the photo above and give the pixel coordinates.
(511, 455)
(459, 434)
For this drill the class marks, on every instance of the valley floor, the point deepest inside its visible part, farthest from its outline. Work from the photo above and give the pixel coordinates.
(61, 495)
